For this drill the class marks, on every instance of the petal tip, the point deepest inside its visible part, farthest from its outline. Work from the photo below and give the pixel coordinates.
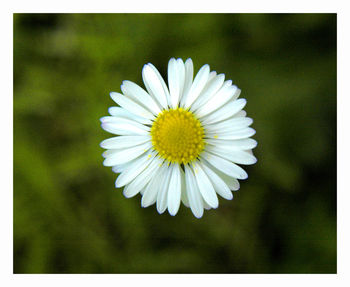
(198, 216)
(104, 126)
(244, 177)
(160, 211)
(144, 68)
(172, 213)
(102, 144)
(105, 162)
(117, 183)
(206, 67)
(113, 95)
(126, 194)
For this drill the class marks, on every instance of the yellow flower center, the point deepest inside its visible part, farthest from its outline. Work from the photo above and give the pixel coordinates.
(177, 135)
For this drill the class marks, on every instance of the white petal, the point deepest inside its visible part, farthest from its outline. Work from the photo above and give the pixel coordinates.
(231, 182)
(230, 124)
(142, 179)
(219, 185)
(118, 120)
(165, 87)
(134, 169)
(117, 169)
(209, 90)
(232, 145)
(174, 193)
(225, 112)
(206, 205)
(131, 105)
(236, 95)
(225, 166)
(212, 75)
(153, 83)
(123, 113)
(231, 135)
(197, 86)
(141, 96)
(240, 114)
(205, 186)
(124, 141)
(163, 192)
(182, 72)
(184, 197)
(194, 197)
(225, 94)
(174, 82)
(120, 126)
(150, 195)
(238, 156)
(109, 152)
(125, 155)
(188, 80)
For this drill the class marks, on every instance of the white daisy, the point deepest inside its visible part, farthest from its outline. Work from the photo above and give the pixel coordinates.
(181, 143)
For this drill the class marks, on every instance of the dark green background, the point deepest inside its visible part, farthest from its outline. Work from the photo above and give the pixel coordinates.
(69, 218)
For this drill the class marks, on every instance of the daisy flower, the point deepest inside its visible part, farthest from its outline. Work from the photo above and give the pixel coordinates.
(181, 142)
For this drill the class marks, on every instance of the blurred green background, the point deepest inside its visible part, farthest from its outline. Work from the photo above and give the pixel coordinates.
(69, 218)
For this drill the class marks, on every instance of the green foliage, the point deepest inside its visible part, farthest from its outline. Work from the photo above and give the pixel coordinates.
(69, 218)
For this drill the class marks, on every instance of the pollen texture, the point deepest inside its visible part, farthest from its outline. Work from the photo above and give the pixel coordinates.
(177, 135)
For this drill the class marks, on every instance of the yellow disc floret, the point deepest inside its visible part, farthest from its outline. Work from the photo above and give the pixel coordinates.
(177, 135)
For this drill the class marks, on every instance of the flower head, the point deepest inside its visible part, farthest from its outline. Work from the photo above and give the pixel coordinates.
(181, 143)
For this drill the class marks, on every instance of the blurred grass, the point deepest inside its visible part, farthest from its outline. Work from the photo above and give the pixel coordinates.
(69, 218)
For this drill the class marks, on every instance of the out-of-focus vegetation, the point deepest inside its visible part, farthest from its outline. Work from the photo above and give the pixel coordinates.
(69, 218)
